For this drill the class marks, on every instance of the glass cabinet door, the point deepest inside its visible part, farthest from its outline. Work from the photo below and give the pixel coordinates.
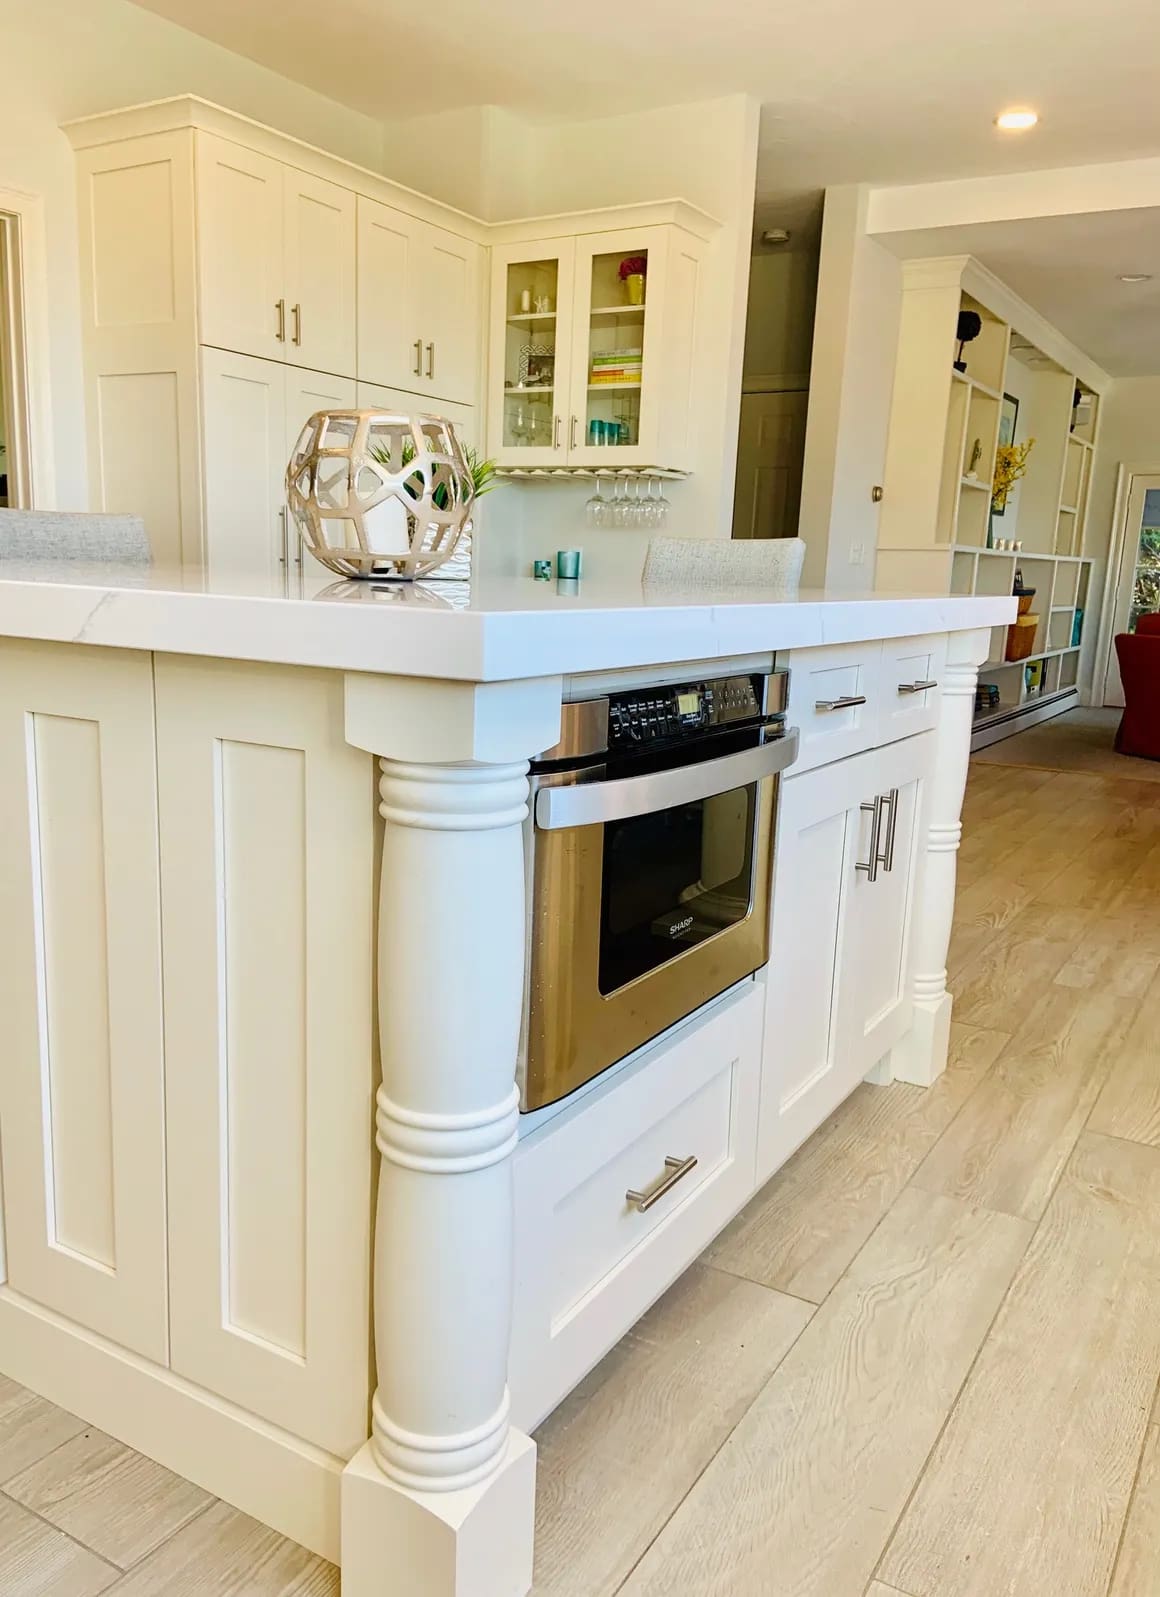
(619, 283)
(531, 350)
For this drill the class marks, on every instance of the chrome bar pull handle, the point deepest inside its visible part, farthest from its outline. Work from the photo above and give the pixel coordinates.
(849, 702)
(871, 866)
(430, 360)
(916, 687)
(284, 531)
(296, 312)
(418, 357)
(572, 433)
(675, 1170)
(280, 308)
(556, 432)
(891, 798)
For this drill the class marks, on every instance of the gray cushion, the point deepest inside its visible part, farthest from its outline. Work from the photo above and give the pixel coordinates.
(34, 535)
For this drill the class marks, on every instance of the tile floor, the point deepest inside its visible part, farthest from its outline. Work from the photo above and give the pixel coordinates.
(922, 1363)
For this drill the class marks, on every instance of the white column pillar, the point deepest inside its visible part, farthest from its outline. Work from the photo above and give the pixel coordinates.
(921, 1056)
(440, 1502)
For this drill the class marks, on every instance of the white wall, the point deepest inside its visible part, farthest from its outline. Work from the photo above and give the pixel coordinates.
(851, 382)
(779, 328)
(67, 58)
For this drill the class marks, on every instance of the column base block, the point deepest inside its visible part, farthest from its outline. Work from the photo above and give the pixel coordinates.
(921, 1056)
(471, 1543)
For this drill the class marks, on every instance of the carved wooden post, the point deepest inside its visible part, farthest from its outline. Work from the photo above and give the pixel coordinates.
(441, 1501)
(921, 1056)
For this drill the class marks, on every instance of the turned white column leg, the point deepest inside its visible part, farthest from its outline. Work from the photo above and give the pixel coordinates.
(441, 1500)
(921, 1056)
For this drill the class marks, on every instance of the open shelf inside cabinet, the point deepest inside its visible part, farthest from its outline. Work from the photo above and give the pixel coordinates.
(985, 357)
(530, 407)
(616, 346)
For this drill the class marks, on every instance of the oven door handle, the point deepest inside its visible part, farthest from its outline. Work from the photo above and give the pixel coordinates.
(590, 803)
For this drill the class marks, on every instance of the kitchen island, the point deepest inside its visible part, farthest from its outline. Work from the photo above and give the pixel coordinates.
(271, 1212)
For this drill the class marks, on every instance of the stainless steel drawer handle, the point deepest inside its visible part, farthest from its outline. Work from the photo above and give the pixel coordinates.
(430, 360)
(916, 687)
(418, 366)
(296, 313)
(871, 865)
(280, 312)
(849, 702)
(675, 1170)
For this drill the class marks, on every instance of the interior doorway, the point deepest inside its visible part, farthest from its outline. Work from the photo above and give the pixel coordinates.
(770, 449)
(1134, 577)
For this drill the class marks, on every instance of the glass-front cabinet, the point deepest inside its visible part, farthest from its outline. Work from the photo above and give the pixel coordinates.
(592, 350)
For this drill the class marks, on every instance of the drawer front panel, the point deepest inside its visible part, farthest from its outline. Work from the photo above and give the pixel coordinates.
(589, 1262)
(907, 705)
(820, 681)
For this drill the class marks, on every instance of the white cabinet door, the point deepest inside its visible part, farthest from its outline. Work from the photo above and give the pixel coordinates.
(320, 274)
(877, 1000)
(390, 343)
(463, 417)
(306, 392)
(449, 314)
(244, 431)
(82, 1072)
(804, 1072)
(529, 366)
(267, 870)
(240, 204)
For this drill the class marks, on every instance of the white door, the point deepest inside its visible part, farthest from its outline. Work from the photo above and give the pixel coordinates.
(1138, 574)
(244, 432)
(530, 352)
(770, 447)
(320, 274)
(390, 341)
(82, 1079)
(267, 867)
(818, 834)
(617, 370)
(449, 313)
(306, 392)
(240, 250)
(877, 1004)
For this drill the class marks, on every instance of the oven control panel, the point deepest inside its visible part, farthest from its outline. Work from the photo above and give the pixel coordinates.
(654, 715)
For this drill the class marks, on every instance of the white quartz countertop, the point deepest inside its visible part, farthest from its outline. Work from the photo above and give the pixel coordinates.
(494, 629)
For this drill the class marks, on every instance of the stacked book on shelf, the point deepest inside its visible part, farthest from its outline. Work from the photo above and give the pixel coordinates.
(616, 366)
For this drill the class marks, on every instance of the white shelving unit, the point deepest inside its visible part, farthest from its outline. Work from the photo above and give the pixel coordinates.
(945, 429)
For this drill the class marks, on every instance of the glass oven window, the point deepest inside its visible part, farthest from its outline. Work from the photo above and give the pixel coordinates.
(673, 879)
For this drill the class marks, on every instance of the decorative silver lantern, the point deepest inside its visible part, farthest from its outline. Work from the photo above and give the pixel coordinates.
(376, 494)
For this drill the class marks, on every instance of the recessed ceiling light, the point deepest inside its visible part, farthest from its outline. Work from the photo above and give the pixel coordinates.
(1135, 277)
(1016, 121)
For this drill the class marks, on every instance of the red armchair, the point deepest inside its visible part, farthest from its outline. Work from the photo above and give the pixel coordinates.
(1139, 656)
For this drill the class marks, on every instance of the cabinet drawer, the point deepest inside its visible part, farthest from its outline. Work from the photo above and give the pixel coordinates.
(588, 1261)
(826, 676)
(906, 664)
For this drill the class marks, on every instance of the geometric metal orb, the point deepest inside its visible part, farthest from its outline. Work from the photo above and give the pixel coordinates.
(377, 494)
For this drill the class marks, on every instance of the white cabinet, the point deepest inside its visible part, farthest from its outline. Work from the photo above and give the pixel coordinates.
(465, 418)
(836, 985)
(592, 364)
(81, 1083)
(267, 870)
(418, 306)
(252, 413)
(276, 258)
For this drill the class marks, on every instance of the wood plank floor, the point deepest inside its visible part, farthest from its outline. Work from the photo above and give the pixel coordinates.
(924, 1362)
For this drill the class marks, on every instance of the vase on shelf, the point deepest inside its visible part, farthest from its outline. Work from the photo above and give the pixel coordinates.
(634, 285)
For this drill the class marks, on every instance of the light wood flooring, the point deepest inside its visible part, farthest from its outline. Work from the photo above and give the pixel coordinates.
(922, 1363)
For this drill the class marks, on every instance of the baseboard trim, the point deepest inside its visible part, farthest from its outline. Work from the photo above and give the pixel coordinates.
(1024, 716)
(278, 1479)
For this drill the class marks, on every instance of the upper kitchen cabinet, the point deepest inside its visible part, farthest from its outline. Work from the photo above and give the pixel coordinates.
(418, 305)
(593, 347)
(276, 259)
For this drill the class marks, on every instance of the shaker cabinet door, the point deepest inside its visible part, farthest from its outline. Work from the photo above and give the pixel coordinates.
(240, 247)
(320, 274)
(267, 869)
(390, 341)
(82, 1059)
(244, 429)
(449, 315)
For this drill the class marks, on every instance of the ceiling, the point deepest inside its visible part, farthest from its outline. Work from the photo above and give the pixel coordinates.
(896, 91)
(1069, 268)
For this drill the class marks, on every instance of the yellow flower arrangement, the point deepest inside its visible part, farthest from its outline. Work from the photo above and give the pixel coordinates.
(1010, 465)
